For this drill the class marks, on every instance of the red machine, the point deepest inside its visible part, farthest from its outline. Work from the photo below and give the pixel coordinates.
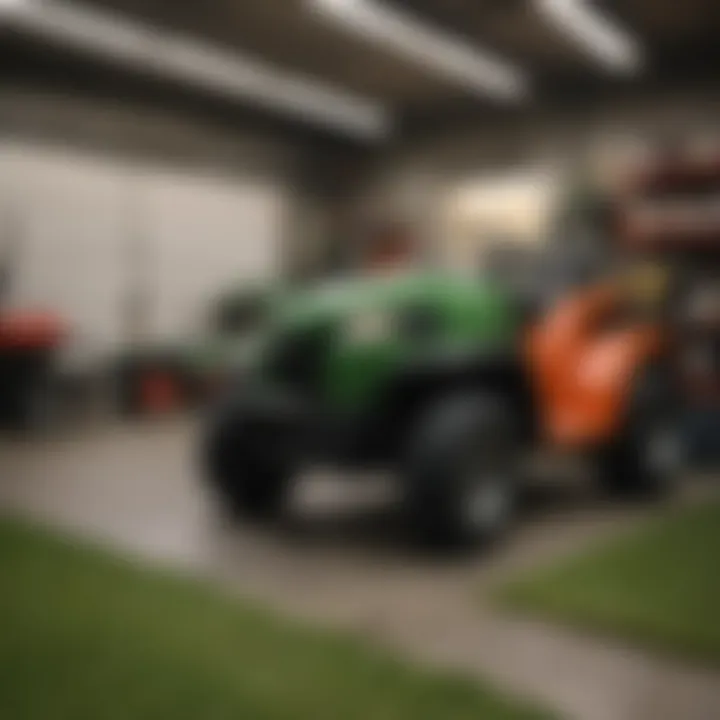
(28, 341)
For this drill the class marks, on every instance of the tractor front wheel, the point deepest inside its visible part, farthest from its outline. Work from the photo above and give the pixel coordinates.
(245, 468)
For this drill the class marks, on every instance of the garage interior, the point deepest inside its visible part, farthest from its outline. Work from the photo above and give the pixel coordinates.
(164, 164)
(147, 167)
(136, 188)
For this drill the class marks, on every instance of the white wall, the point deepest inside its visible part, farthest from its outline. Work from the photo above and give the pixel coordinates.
(61, 217)
(208, 233)
(126, 249)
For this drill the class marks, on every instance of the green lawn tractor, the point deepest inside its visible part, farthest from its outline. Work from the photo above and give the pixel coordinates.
(446, 382)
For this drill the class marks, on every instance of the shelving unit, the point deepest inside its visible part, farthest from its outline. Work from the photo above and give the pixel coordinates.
(670, 211)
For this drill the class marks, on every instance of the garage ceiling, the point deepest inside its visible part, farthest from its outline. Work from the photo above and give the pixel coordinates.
(678, 38)
(287, 33)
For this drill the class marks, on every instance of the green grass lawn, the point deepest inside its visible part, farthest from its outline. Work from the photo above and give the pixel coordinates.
(87, 636)
(658, 586)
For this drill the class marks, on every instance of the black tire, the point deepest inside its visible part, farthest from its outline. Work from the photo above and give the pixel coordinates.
(646, 457)
(246, 469)
(461, 472)
(38, 406)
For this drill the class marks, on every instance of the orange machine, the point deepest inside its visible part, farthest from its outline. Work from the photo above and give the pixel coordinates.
(585, 354)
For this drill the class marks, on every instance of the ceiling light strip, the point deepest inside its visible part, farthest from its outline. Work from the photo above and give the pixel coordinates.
(463, 63)
(594, 34)
(143, 47)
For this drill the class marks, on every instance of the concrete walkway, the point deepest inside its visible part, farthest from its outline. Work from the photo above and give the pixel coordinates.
(341, 560)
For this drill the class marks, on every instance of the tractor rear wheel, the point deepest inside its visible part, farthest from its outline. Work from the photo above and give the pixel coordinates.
(461, 479)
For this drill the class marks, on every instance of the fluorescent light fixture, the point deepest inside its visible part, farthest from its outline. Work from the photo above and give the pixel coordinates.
(594, 33)
(229, 74)
(441, 53)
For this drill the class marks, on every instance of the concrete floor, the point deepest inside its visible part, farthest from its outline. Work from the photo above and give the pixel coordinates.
(341, 560)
